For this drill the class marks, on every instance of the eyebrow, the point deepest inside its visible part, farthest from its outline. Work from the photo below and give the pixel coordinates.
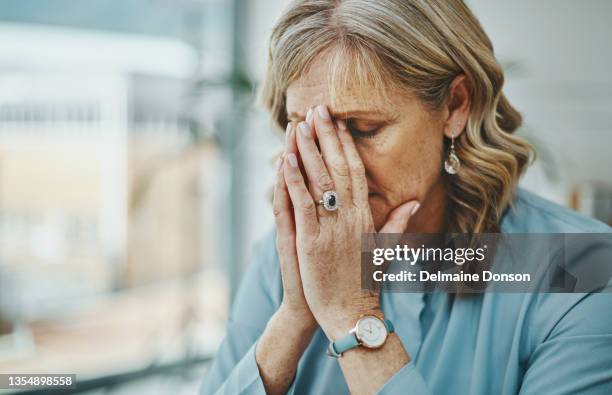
(345, 114)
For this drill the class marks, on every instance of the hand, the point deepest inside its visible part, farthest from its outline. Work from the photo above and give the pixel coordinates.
(328, 243)
(290, 329)
(293, 307)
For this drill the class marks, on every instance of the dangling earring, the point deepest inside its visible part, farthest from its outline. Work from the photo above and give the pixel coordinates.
(452, 163)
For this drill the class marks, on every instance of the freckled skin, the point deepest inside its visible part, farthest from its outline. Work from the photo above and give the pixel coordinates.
(403, 161)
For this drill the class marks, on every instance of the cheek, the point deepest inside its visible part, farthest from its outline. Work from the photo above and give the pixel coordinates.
(401, 172)
(424, 162)
(403, 167)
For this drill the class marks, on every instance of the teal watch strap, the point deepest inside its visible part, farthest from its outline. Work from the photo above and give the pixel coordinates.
(389, 325)
(335, 349)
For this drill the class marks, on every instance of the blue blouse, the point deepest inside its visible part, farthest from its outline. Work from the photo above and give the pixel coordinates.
(491, 343)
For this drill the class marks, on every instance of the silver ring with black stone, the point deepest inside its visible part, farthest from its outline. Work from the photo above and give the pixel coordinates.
(329, 201)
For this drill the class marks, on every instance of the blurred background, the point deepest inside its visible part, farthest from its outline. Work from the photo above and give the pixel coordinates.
(135, 168)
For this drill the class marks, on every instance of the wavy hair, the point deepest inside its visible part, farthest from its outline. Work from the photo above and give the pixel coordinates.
(418, 46)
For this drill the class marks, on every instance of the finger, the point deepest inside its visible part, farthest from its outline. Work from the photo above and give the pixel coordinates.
(287, 135)
(309, 115)
(332, 152)
(291, 145)
(310, 122)
(285, 233)
(304, 208)
(398, 218)
(281, 205)
(318, 177)
(359, 184)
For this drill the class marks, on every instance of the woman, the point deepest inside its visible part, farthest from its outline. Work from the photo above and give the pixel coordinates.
(396, 106)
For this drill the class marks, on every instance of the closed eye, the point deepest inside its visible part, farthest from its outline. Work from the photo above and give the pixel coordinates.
(359, 130)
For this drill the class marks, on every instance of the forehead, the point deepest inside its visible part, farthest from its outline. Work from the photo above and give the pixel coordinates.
(315, 87)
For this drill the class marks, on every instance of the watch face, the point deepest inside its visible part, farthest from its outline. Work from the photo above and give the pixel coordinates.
(371, 331)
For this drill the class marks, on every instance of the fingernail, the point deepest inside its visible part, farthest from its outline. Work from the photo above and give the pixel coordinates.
(288, 134)
(279, 163)
(415, 208)
(292, 160)
(305, 129)
(341, 124)
(323, 113)
(309, 115)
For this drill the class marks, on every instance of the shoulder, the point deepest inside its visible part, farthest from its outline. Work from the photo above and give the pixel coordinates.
(550, 315)
(530, 213)
(265, 254)
(264, 266)
(260, 290)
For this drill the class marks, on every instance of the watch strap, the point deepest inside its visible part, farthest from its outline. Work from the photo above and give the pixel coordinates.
(389, 325)
(337, 348)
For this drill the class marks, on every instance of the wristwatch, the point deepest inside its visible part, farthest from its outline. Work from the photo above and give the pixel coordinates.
(369, 332)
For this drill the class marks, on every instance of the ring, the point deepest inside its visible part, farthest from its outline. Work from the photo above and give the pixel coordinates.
(329, 201)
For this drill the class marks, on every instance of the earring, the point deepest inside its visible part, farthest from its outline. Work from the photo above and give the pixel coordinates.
(452, 163)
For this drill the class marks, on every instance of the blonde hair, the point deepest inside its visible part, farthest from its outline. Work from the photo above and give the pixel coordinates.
(418, 46)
